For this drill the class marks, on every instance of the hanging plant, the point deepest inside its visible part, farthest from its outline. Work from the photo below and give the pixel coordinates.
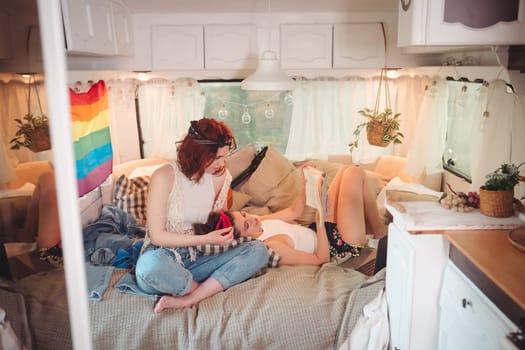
(382, 127)
(33, 131)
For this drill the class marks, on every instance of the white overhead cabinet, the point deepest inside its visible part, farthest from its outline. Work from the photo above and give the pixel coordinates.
(461, 22)
(90, 28)
(306, 46)
(230, 46)
(358, 45)
(177, 47)
(122, 28)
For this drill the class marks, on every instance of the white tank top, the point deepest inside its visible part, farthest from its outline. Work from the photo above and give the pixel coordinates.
(304, 239)
(198, 200)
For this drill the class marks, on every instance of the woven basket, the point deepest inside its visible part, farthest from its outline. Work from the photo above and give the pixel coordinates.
(41, 140)
(374, 134)
(497, 204)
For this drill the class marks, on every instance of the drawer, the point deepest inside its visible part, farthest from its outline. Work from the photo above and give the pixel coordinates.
(467, 316)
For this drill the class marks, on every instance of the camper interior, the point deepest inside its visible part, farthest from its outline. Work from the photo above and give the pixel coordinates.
(113, 86)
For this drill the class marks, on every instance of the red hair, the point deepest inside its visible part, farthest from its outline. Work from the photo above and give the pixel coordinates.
(199, 147)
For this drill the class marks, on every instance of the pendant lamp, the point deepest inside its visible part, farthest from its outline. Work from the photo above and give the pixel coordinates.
(268, 76)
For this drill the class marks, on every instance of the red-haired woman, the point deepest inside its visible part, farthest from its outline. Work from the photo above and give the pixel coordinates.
(184, 192)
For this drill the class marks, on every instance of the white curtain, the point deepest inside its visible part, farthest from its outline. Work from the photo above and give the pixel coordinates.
(166, 109)
(498, 135)
(410, 92)
(325, 115)
(426, 148)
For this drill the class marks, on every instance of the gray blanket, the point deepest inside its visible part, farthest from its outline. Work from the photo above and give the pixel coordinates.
(300, 307)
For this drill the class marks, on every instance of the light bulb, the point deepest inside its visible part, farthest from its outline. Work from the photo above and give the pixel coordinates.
(223, 113)
(246, 118)
(269, 112)
(288, 99)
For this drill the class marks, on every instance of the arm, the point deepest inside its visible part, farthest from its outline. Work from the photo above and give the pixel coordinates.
(157, 207)
(291, 256)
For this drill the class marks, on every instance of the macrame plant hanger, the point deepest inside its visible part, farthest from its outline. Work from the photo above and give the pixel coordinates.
(41, 140)
(375, 130)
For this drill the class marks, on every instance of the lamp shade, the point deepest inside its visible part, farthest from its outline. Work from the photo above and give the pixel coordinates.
(268, 76)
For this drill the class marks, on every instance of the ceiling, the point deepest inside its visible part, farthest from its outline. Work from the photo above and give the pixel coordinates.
(28, 7)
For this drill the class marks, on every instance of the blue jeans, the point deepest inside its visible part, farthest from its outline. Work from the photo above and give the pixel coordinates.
(158, 272)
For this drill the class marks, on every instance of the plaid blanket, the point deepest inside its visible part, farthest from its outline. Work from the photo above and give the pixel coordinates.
(209, 249)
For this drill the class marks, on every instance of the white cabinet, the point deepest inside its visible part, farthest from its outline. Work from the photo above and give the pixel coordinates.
(89, 27)
(122, 29)
(230, 46)
(467, 22)
(306, 46)
(468, 319)
(415, 265)
(177, 47)
(358, 45)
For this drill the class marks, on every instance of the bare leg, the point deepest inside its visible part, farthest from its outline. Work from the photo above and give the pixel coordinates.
(345, 203)
(333, 195)
(47, 216)
(204, 290)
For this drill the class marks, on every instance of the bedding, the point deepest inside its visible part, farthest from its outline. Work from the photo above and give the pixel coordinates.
(299, 307)
(304, 307)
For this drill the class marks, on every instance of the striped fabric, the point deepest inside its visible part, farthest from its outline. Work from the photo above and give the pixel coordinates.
(209, 249)
(91, 137)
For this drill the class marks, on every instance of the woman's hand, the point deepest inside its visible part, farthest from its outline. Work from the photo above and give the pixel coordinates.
(224, 236)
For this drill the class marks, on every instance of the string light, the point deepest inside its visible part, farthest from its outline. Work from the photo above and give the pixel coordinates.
(246, 117)
(269, 112)
(223, 113)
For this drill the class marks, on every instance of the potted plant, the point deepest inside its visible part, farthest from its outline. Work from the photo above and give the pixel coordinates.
(496, 197)
(33, 133)
(382, 128)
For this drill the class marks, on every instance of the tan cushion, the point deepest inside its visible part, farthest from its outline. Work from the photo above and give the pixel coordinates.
(240, 159)
(29, 172)
(273, 169)
(239, 200)
(392, 166)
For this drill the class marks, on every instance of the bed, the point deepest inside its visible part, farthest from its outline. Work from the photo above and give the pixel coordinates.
(299, 307)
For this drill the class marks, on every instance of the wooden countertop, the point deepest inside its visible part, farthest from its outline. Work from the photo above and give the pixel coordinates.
(492, 263)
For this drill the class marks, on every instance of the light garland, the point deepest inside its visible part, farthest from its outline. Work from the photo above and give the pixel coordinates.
(246, 117)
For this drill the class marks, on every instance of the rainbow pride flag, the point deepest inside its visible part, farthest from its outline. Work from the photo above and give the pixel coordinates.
(91, 137)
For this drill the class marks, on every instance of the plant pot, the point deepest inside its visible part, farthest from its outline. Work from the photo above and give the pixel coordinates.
(41, 139)
(374, 134)
(497, 204)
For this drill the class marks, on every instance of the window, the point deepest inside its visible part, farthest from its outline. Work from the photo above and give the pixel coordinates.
(464, 111)
(258, 117)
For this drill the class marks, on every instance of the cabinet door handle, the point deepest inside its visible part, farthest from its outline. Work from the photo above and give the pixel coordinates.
(466, 303)
(405, 4)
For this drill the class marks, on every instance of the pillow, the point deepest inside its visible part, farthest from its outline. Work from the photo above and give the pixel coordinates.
(144, 171)
(240, 159)
(273, 169)
(246, 173)
(239, 200)
(130, 196)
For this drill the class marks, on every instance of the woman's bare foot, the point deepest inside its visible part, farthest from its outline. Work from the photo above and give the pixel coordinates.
(171, 302)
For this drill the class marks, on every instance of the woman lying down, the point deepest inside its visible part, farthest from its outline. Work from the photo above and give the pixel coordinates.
(351, 215)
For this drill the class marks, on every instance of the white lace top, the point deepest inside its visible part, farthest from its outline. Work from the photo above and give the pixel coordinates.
(190, 202)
